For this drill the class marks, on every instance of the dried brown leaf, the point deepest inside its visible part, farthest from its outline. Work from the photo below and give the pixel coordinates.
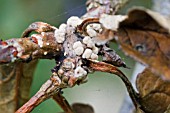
(82, 108)
(15, 82)
(144, 35)
(154, 92)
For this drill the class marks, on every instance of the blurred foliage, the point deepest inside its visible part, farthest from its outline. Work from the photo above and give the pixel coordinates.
(16, 15)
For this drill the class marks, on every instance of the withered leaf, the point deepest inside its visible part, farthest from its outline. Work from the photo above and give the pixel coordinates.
(145, 36)
(15, 82)
(154, 92)
(82, 108)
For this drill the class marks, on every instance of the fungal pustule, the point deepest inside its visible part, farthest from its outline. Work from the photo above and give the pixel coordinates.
(95, 50)
(77, 44)
(79, 50)
(63, 27)
(86, 39)
(94, 56)
(59, 35)
(74, 21)
(45, 53)
(97, 27)
(65, 53)
(90, 44)
(79, 72)
(91, 32)
(87, 53)
(107, 21)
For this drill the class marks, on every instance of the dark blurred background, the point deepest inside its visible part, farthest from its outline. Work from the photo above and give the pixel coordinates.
(105, 93)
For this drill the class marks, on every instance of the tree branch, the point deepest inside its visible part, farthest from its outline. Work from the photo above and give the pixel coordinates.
(48, 89)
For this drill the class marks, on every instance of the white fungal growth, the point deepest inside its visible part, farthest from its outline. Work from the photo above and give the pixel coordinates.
(59, 35)
(111, 21)
(96, 27)
(74, 21)
(93, 29)
(79, 50)
(45, 53)
(65, 53)
(91, 32)
(86, 39)
(99, 41)
(87, 53)
(39, 39)
(57, 49)
(94, 56)
(77, 44)
(60, 39)
(95, 50)
(90, 44)
(79, 63)
(62, 27)
(47, 44)
(79, 72)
